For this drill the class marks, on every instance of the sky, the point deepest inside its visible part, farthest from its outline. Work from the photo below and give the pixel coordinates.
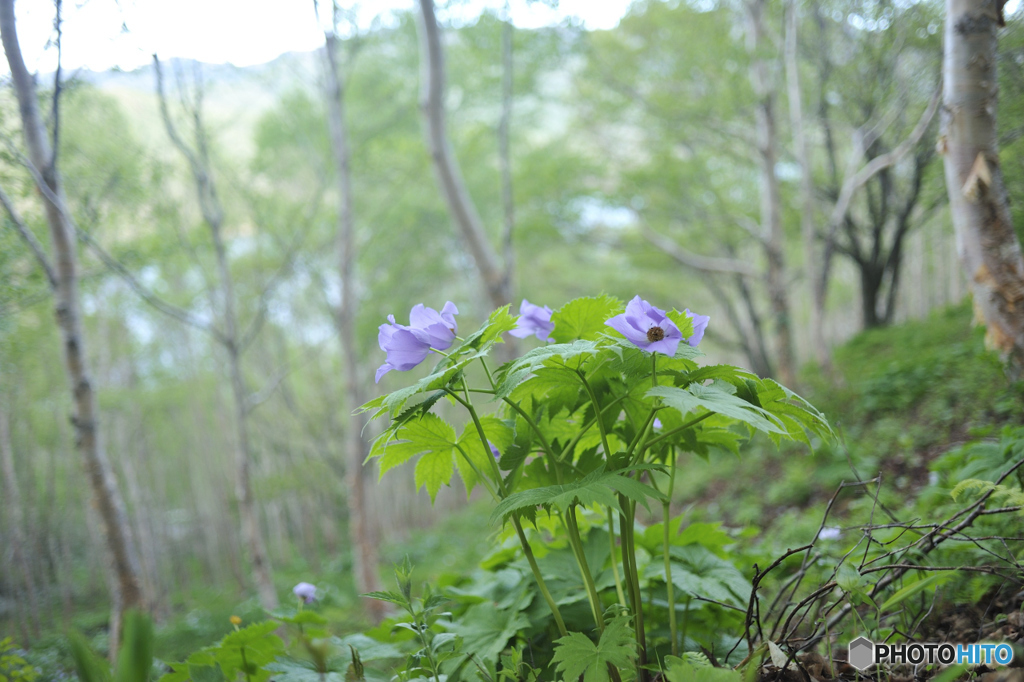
(102, 34)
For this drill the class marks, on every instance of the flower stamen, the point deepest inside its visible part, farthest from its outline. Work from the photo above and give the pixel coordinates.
(655, 334)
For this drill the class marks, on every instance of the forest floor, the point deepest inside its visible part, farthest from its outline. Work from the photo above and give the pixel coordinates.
(901, 398)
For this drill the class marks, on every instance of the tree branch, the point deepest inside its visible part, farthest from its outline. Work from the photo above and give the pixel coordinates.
(26, 234)
(689, 259)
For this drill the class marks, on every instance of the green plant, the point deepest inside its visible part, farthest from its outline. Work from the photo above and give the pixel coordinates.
(584, 425)
(424, 612)
(14, 668)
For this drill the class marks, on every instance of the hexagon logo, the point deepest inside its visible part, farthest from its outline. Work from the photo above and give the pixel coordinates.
(861, 653)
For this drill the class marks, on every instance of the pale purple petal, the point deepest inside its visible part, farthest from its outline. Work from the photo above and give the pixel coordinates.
(305, 591)
(639, 318)
(494, 450)
(700, 323)
(533, 320)
(448, 313)
(433, 328)
(621, 324)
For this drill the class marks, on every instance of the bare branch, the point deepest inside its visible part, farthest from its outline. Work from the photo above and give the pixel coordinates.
(298, 239)
(116, 266)
(26, 234)
(857, 180)
(144, 292)
(55, 107)
(696, 261)
(446, 166)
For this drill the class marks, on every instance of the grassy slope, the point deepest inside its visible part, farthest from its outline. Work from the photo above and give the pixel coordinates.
(901, 397)
(904, 396)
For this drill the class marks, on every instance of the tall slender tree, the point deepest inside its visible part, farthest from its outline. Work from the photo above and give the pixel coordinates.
(62, 275)
(763, 82)
(988, 247)
(361, 533)
(496, 278)
(232, 338)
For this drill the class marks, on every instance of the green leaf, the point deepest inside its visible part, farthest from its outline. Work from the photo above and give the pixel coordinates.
(699, 572)
(576, 655)
(552, 355)
(559, 388)
(434, 469)
(678, 670)
(798, 415)
(584, 318)
(369, 649)
(442, 377)
(90, 667)
(248, 650)
(294, 670)
(392, 597)
(480, 341)
(487, 629)
(913, 588)
(433, 439)
(135, 659)
(497, 432)
(683, 321)
(714, 399)
(598, 487)
(179, 673)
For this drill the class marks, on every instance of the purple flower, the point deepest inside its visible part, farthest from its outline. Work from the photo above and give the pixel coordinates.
(647, 328)
(657, 424)
(305, 592)
(407, 346)
(533, 320)
(494, 450)
(700, 323)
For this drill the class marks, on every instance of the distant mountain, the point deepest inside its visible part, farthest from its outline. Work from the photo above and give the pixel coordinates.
(235, 97)
(280, 74)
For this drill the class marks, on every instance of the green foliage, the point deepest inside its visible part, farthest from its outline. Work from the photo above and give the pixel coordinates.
(577, 655)
(134, 660)
(14, 668)
(696, 668)
(245, 653)
(584, 318)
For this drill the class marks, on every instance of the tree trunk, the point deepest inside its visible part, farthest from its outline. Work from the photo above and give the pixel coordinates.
(13, 504)
(361, 537)
(870, 286)
(121, 562)
(213, 215)
(817, 322)
(989, 250)
(446, 166)
(771, 200)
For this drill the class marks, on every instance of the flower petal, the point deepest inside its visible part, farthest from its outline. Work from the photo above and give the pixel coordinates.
(700, 323)
(621, 324)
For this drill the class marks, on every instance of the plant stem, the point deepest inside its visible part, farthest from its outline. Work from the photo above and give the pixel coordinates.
(686, 620)
(483, 479)
(586, 427)
(572, 527)
(674, 431)
(245, 664)
(668, 563)
(633, 580)
(597, 412)
(528, 551)
(615, 561)
(487, 371)
(533, 425)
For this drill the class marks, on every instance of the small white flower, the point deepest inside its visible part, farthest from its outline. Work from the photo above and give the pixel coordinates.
(829, 533)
